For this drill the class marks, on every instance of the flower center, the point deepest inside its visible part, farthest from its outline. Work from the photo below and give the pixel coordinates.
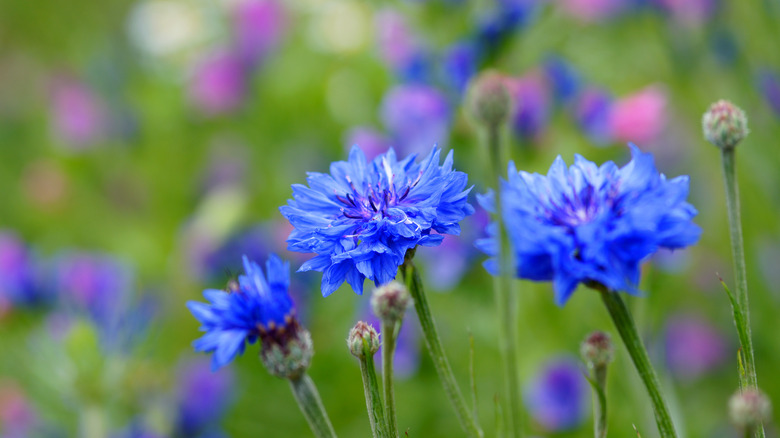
(373, 202)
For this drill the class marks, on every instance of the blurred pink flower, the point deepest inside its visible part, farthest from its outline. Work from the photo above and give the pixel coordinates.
(693, 346)
(218, 83)
(77, 113)
(259, 26)
(397, 44)
(689, 12)
(640, 117)
(589, 11)
(17, 416)
(369, 140)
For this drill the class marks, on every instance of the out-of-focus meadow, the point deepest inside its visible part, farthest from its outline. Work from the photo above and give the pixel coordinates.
(146, 145)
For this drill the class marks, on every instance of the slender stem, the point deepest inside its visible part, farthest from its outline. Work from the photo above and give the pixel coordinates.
(440, 362)
(505, 295)
(600, 401)
(628, 332)
(738, 256)
(376, 415)
(308, 399)
(93, 422)
(388, 349)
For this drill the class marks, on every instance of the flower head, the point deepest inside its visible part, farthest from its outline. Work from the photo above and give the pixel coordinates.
(259, 306)
(585, 224)
(724, 124)
(362, 217)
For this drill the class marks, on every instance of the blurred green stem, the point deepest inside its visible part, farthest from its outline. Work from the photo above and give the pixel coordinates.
(388, 349)
(599, 377)
(308, 399)
(505, 293)
(440, 362)
(628, 332)
(93, 422)
(738, 256)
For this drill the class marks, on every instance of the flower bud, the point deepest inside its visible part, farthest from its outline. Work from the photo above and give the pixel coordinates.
(390, 302)
(363, 338)
(488, 99)
(748, 408)
(286, 350)
(724, 124)
(597, 349)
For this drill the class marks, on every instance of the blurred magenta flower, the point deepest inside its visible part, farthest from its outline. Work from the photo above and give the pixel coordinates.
(693, 346)
(584, 223)
(640, 117)
(590, 11)
(18, 418)
(769, 86)
(219, 83)
(370, 141)
(558, 396)
(202, 397)
(78, 116)
(399, 48)
(692, 13)
(416, 116)
(531, 105)
(258, 27)
(362, 218)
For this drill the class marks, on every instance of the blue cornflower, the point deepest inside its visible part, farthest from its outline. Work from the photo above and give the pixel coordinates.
(585, 224)
(258, 306)
(362, 217)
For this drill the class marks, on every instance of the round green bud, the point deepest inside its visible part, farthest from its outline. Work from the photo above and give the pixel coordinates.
(488, 99)
(724, 124)
(363, 339)
(390, 302)
(597, 349)
(748, 408)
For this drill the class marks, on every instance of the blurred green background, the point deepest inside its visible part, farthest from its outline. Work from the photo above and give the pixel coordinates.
(109, 145)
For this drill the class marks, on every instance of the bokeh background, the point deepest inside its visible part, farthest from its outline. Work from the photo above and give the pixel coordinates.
(145, 145)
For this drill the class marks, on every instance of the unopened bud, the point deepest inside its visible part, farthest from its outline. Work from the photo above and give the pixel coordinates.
(724, 124)
(390, 302)
(363, 338)
(286, 350)
(750, 407)
(488, 99)
(597, 349)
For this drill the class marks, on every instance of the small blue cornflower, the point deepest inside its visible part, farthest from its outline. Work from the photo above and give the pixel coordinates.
(590, 224)
(362, 218)
(257, 306)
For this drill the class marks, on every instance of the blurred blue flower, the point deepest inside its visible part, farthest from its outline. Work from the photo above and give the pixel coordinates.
(202, 397)
(460, 62)
(558, 396)
(20, 284)
(257, 303)
(531, 106)
(593, 114)
(769, 85)
(400, 49)
(563, 79)
(507, 17)
(362, 217)
(416, 116)
(591, 224)
(693, 346)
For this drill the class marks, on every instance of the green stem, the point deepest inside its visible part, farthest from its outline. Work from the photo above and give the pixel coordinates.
(93, 422)
(505, 295)
(376, 415)
(388, 349)
(308, 399)
(628, 332)
(600, 401)
(440, 362)
(738, 255)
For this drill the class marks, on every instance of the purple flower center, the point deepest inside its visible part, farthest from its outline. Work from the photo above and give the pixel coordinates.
(375, 201)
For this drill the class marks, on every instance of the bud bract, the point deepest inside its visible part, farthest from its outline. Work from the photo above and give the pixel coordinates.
(390, 302)
(363, 339)
(750, 407)
(724, 124)
(286, 350)
(597, 349)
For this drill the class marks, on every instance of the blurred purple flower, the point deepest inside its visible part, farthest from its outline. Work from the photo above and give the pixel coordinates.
(258, 27)
(669, 260)
(692, 13)
(531, 101)
(406, 359)
(218, 84)
(19, 285)
(78, 116)
(558, 396)
(592, 112)
(417, 117)
(399, 48)
(370, 141)
(563, 79)
(460, 64)
(18, 418)
(769, 85)
(693, 346)
(591, 11)
(202, 396)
